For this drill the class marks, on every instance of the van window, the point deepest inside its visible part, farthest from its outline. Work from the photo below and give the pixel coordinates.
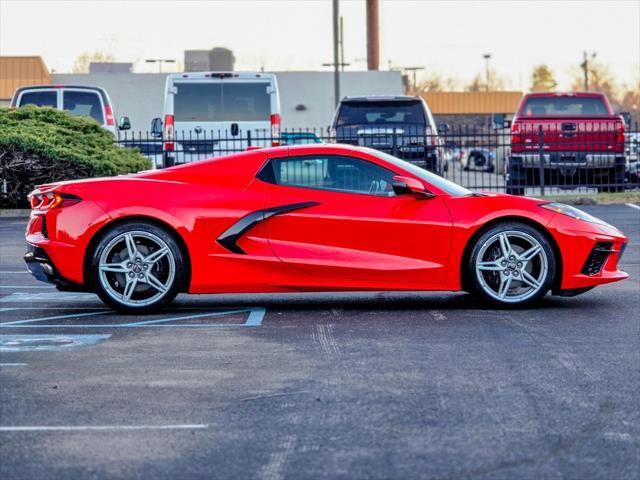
(42, 98)
(83, 104)
(222, 102)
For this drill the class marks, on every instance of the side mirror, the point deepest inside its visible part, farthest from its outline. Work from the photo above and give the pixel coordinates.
(410, 186)
(156, 127)
(626, 116)
(443, 128)
(124, 123)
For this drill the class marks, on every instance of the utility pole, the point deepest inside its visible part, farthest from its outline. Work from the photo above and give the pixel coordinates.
(342, 64)
(585, 68)
(336, 53)
(415, 78)
(487, 57)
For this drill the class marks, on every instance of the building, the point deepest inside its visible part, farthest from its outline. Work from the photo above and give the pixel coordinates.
(20, 72)
(462, 109)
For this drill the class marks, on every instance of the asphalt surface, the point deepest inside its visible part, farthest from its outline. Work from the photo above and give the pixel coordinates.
(351, 386)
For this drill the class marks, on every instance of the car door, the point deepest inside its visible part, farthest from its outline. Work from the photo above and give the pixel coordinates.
(339, 219)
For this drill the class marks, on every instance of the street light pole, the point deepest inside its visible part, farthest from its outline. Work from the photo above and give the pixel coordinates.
(487, 57)
(159, 61)
(585, 68)
(336, 53)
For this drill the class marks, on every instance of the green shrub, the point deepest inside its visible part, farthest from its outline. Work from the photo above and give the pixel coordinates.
(43, 145)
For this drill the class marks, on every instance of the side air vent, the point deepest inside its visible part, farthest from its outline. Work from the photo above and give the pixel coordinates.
(597, 258)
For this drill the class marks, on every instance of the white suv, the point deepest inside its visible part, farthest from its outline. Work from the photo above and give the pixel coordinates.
(208, 114)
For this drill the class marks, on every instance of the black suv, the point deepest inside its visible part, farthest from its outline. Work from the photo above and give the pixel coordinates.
(400, 125)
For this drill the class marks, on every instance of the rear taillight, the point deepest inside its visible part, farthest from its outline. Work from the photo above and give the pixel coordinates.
(168, 133)
(620, 134)
(108, 113)
(50, 200)
(275, 130)
(332, 135)
(515, 134)
(432, 138)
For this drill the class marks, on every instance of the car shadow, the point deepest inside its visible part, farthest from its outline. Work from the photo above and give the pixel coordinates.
(373, 301)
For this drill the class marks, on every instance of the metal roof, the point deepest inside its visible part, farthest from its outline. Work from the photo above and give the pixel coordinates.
(18, 72)
(444, 103)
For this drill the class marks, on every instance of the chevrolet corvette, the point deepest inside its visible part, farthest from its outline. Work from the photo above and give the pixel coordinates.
(309, 218)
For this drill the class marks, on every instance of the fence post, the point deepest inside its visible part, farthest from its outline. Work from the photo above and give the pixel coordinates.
(541, 159)
(248, 138)
(394, 143)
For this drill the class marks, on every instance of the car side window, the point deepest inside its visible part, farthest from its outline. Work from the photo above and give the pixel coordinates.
(333, 172)
(40, 98)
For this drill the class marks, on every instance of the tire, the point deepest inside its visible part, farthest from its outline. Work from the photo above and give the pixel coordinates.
(137, 267)
(521, 277)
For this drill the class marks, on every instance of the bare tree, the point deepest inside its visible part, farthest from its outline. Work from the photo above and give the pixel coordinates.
(542, 79)
(81, 64)
(479, 83)
(434, 82)
(600, 79)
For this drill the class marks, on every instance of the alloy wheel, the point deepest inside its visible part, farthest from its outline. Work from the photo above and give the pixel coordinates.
(137, 268)
(511, 266)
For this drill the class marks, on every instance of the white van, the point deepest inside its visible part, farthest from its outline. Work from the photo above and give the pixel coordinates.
(209, 114)
(78, 100)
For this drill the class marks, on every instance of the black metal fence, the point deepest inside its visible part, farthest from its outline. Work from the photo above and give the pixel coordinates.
(536, 160)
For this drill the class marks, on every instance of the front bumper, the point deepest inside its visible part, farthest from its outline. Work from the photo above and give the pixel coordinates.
(590, 253)
(43, 269)
(564, 160)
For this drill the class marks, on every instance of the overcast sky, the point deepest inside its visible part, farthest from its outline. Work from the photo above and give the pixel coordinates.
(446, 37)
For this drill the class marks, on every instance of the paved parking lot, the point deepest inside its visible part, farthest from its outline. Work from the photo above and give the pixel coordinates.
(320, 386)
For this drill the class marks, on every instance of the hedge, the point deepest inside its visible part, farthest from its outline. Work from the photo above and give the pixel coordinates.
(43, 145)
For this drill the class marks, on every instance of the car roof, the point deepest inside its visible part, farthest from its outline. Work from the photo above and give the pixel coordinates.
(564, 94)
(221, 75)
(381, 98)
(100, 90)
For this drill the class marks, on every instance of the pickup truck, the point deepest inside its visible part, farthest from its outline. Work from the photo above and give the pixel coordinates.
(582, 143)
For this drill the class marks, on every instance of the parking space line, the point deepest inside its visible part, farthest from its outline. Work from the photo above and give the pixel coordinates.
(633, 205)
(67, 428)
(187, 317)
(13, 364)
(55, 317)
(26, 286)
(254, 319)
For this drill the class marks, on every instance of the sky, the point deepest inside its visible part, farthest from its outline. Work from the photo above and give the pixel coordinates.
(448, 38)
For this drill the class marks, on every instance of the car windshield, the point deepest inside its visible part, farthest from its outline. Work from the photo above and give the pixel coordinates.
(442, 183)
(564, 107)
(380, 113)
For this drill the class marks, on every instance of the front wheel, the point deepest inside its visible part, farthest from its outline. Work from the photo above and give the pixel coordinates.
(511, 264)
(137, 267)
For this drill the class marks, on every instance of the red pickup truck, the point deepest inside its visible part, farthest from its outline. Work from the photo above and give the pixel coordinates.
(582, 143)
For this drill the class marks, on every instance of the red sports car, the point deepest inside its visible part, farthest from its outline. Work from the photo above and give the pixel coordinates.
(309, 218)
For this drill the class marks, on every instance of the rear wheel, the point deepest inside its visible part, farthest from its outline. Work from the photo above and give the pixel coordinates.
(137, 267)
(511, 264)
